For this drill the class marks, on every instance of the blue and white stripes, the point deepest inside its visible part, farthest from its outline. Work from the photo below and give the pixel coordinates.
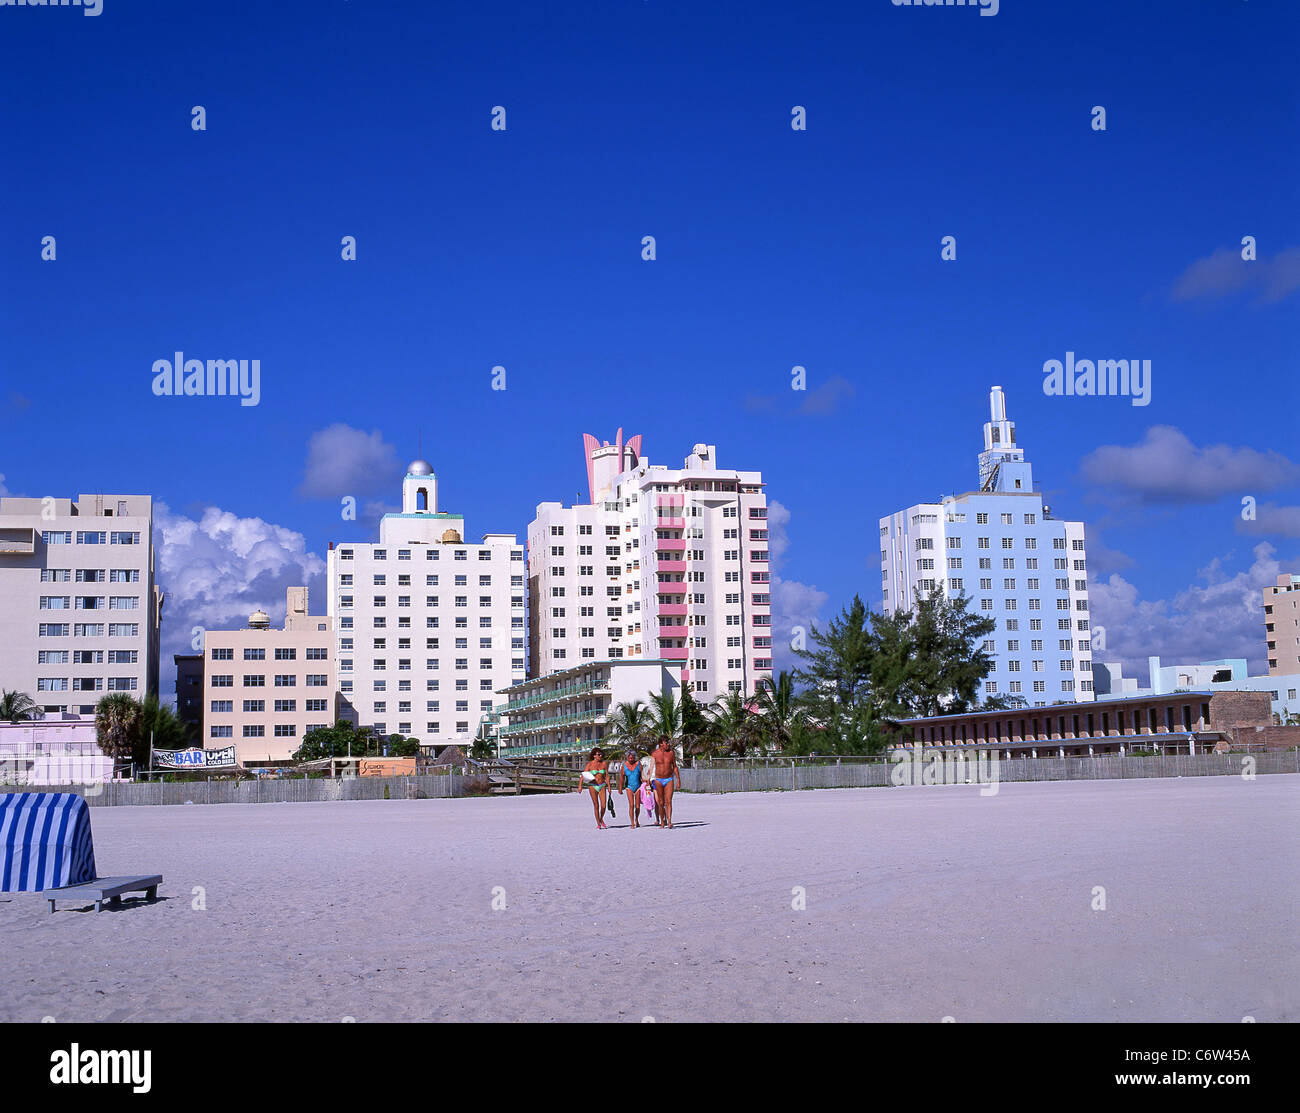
(45, 841)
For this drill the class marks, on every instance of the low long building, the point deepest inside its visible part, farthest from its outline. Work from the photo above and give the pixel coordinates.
(568, 712)
(265, 689)
(1180, 722)
(55, 750)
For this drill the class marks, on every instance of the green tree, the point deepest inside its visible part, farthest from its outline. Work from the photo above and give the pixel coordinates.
(629, 725)
(778, 710)
(403, 747)
(17, 707)
(732, 725)
(118, 719)
(169, 733)
(341, 740)
(665, 713)
(929, 661)
(837, 672)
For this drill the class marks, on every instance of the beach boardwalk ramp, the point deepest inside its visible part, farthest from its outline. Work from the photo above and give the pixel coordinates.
(45, 841)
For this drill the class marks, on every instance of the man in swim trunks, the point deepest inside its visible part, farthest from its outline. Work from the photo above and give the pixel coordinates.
(667, 777)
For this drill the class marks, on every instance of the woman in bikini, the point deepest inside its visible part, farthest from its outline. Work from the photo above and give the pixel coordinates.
(594, 776)
(629, 780)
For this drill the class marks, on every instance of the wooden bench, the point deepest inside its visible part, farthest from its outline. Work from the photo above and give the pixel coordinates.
(107, 888)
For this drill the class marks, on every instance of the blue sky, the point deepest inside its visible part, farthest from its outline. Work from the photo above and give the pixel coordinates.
(775, 248)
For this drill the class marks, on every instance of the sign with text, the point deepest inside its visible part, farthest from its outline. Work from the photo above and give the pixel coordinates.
(195, 759)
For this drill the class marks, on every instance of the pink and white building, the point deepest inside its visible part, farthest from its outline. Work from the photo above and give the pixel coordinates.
(662, 563)
(56, 750)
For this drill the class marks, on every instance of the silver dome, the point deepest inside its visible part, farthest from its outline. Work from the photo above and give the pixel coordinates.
(419, 467)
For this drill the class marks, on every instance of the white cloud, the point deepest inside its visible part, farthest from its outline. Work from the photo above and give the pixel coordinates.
(822, 401)
(1225, 272)
(346, 461)
(1270, 521)
(1223, 616)
(794, 604)
(1167, 466)
(218, 569)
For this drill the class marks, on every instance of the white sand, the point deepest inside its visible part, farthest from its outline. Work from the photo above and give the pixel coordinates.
(921, 903)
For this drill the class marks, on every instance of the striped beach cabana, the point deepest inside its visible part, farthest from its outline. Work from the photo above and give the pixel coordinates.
(45, 841)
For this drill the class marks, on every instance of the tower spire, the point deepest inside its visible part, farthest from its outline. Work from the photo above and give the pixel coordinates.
(1002, 463)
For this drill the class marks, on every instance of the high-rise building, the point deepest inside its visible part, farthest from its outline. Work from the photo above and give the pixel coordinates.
(265, 689)
(428, 625)
(189, 692)
(662, 563)
(1001, 547)
(1282, 625)
(79, 606)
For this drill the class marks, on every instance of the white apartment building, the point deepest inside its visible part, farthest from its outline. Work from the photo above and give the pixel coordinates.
(428, 625)
(567, 711)
(1001, 547)
(663, 563)
(265, 689)
(79, 606)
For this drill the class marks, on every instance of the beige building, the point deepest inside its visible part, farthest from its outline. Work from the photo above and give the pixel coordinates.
(264, 689)
(79, 607)
(1282, 626)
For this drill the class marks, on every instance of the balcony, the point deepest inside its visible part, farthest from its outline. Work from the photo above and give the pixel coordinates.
(670, 523)
(17, 541)
(678, 588)
(671, 609)
(672, 566)
(671, 631)
(674, 653)
(677, 544)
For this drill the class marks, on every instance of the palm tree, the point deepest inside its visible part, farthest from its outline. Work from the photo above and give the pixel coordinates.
(778, 709)
(629, 725)
(17, 707)
(118, 719)
(665, 716)
(731, 723)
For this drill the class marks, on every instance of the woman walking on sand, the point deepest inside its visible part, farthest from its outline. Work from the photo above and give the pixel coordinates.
(594, 777)
(629, 780)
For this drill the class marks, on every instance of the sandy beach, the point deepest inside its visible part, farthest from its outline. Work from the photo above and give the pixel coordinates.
(921, 903)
